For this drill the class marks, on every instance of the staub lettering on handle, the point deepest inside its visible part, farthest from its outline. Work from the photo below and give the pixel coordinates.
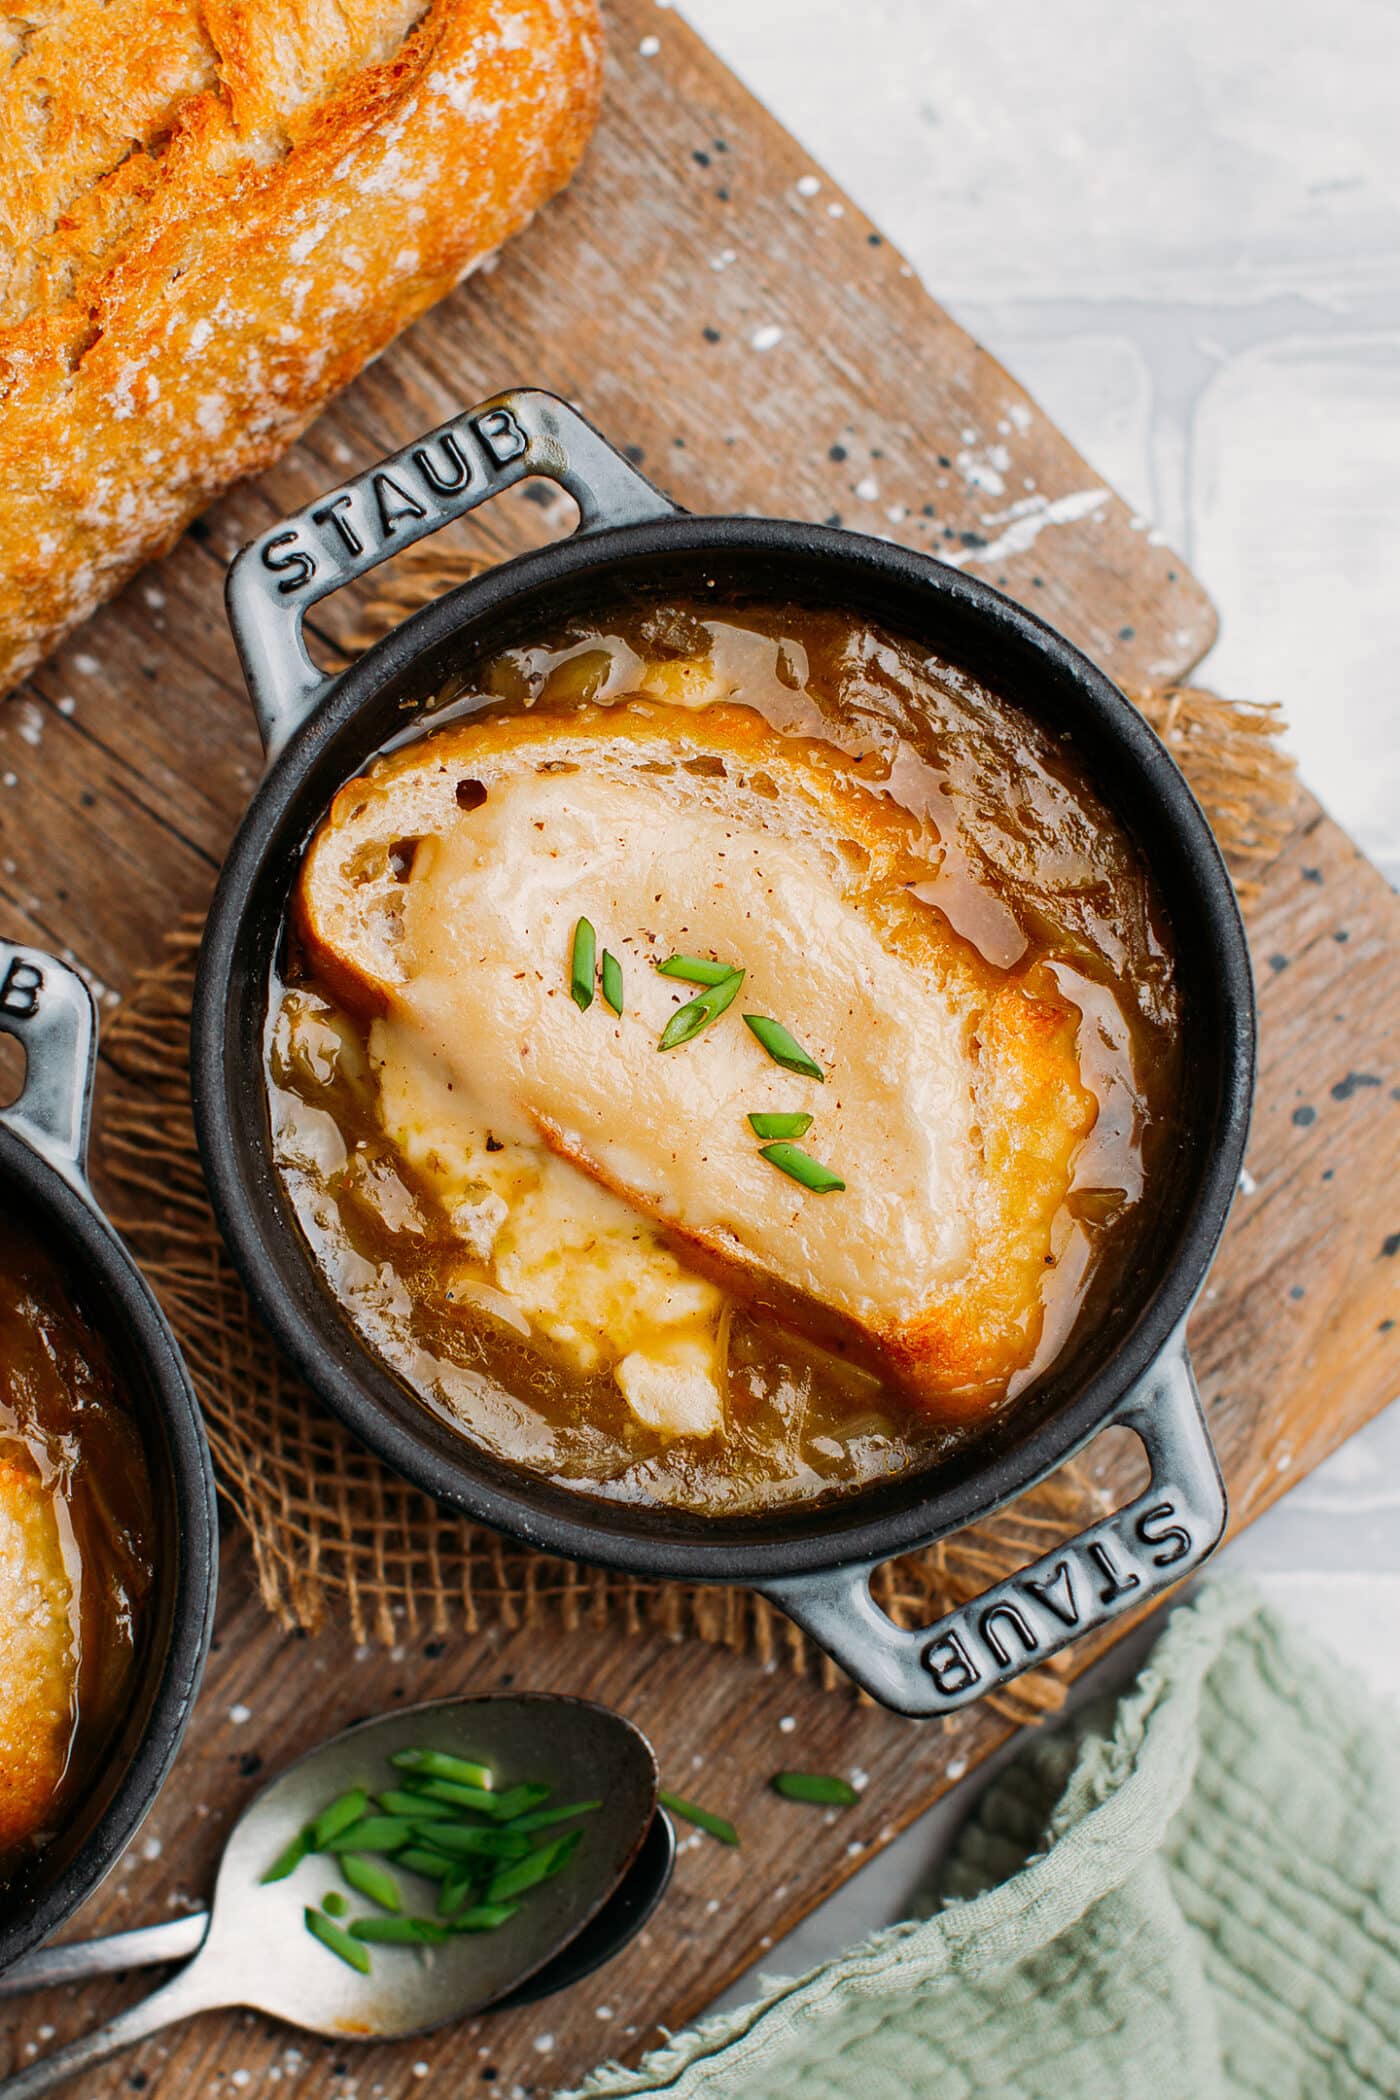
(422, 488)
(19, 994)
(1024, 1617)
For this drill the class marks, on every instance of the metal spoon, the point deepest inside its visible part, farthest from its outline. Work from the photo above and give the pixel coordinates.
(621, 1918)
(258, 1953)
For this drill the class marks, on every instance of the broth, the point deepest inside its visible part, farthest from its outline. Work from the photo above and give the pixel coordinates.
(76, 1535)
(1032, 884)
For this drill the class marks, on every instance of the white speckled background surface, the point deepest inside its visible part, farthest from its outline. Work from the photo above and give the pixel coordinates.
(1180, 227)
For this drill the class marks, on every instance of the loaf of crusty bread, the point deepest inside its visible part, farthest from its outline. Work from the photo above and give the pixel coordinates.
(212, 213)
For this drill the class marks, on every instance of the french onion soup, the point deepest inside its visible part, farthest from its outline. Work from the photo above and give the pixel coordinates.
(75, 1549)
(722, 1055)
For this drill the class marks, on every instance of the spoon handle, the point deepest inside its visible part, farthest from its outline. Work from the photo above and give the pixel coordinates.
(174, 1939)
(176, 2000)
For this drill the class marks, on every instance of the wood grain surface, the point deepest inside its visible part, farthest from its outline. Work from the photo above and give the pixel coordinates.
(125, 765)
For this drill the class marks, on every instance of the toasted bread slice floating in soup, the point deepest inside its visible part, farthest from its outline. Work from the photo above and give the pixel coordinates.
(440, 901)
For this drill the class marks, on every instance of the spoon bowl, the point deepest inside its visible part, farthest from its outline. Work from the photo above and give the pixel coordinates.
(258, 1952)
(256, 1932)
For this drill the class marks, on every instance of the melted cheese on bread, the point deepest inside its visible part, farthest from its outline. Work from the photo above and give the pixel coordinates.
(441, 896)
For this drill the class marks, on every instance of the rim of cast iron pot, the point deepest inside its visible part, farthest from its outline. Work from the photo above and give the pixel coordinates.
(317, 1335)
(134, 1330)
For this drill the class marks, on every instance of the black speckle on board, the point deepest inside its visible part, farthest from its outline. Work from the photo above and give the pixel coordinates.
(1352, 1084)
(635, 454)
(1277, 963)
(1126, 634)
(701, 160)
(1304, 1115)
(1312, 875)
(1390, 1245)
(249, 1765)
(711, 335)
(1296, 1292)
(833, 517)
(1341, 935)
(973, 539)
(838, 453)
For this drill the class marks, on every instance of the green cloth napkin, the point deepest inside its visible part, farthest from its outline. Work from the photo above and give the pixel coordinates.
(1196, 1894)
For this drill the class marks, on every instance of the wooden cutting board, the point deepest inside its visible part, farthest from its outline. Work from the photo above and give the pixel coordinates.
(711, 300)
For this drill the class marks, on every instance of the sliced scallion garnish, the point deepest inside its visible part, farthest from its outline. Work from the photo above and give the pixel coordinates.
(290, 1857)
(372, 1834)
(338, 1815)
(522, 1874)
(368, 1878)
(800, 1166)
(440, 1764)
(612, 981)
(783, 1048)
(766, 1124)
(484, 1917)
(335, 1940)
(400, 1932)
(688, 1020)
(694, 969)
(581, 966)
(703, 1818)
(823, 1787)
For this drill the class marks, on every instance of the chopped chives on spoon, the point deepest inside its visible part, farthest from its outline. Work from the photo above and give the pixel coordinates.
(694, 969)
(437, 1793)
(368, 1878)
(338, 1815)
(612, 981)
(290, 1857)
(581, 966)
(440, 1764)
(541, 1818)
(484, 1917)
(779, 1123)
(522, 1874)
(372, 1834)
(337, 1941)
(703, 1818)
(688, 1020)
(782, 1047)
(400, 1932)
(823, 1787)
(800, 1166)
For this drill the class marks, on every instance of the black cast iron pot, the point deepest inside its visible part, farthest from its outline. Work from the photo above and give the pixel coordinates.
(814, 1561)
(44, 1189)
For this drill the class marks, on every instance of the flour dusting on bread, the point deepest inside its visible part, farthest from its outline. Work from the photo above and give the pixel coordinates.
(213, 215)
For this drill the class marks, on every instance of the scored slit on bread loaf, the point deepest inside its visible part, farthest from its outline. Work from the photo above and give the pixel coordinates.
(212, 214)
(439, 899)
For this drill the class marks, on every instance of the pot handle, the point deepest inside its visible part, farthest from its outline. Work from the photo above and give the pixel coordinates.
(1115, 1566)
(351, 529)
(50, 1010)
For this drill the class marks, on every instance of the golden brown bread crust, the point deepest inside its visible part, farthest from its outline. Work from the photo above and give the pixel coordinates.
(212, 214)
(37, 1663)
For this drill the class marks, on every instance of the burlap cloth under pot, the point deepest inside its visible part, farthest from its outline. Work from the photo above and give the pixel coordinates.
(333, 1531)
